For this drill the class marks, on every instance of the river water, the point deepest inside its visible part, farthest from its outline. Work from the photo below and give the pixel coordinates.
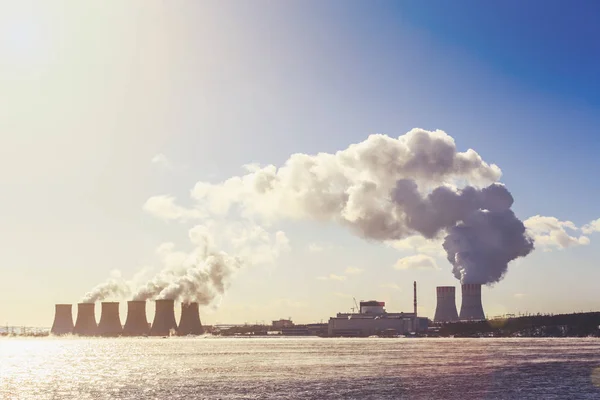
(299, 368)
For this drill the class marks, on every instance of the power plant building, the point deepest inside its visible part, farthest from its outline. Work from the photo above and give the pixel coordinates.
(63, 319)
(190, 324)
(445, 310)
(136, 323)
(110, 322)
(86, 320)
(373, 320)
(471, 308)
(164, 318)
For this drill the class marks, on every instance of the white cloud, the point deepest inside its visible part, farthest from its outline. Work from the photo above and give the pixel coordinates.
(418, 261)
(251, 242)
(342, 295)
(353, 271)
(592, 227)
(550, 232)
(350, 186)
(332, 277)
(315, 248)
(390, 286)
(161, 160)
(419, 244)
(164, 207)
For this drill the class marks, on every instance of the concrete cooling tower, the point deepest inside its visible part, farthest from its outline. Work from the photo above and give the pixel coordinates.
(86, 320)
(190, 324)
(445, 311)
(63, 319)
(471, 308)
(164, 318)
(136, 323)
(110, 323)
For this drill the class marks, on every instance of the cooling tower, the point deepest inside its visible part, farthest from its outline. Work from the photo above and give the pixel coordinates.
(110, 323)
(190, 324)
(86, 320)
(164, 318)
(63, 320)
(136, 323)
(445, 311)
(471, 308)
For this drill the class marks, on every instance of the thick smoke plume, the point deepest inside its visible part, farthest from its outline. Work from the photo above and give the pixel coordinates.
(484, 235)
(388, 189)
(201, 282)
(200, 277)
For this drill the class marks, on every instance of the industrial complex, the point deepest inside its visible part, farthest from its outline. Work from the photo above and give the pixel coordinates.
(370, 318)
(164, 323)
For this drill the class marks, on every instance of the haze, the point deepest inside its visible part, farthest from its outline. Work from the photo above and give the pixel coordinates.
(119, 122)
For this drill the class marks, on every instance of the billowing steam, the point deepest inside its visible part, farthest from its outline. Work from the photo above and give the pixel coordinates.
(484, 235)
(382, 189)
(202, 277)
(387, 189)
(114, 288)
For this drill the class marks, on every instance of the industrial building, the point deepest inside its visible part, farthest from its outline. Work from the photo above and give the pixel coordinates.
(471, 308)
(110, 322)
(136, 324)
(63, 320)
(190, 324)
(445, 310)
(85, 325)
(373, 319)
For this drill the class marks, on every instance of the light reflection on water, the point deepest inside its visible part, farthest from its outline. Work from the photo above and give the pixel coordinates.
(291, 368)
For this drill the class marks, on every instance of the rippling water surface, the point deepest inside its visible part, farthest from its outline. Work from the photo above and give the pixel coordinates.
(292, 368)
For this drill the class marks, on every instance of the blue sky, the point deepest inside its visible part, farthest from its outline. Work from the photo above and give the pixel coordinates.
(216, 85)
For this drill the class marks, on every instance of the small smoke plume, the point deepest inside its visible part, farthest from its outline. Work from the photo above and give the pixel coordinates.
(114, 288)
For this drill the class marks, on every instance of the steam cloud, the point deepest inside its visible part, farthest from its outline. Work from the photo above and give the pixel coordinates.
(114, 287)
(200, 279)
(382, 189)
(484, 235)
(388, 189)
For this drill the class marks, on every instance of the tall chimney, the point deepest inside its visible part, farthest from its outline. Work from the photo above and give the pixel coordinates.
(190, 324)
(63, 319)
(136, 323)
(471, 308)
(415, 322)
(86, 320)
(110, 323)
(164, 318)
(445, 311)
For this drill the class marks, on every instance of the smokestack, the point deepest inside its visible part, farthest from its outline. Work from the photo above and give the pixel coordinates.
(63, 319)
(445, 311)
(190, 324)
(86, 320)
(415, 297)
(164, 318)
(110, 323)
(136, 323)
(471, 308)
(415, 304)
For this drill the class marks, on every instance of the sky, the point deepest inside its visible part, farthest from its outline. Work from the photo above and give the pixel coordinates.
(120, 120)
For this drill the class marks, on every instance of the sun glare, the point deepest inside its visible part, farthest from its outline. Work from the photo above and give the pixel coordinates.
(22, 40)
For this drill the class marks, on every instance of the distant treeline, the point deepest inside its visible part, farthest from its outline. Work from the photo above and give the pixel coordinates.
(561, 325)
